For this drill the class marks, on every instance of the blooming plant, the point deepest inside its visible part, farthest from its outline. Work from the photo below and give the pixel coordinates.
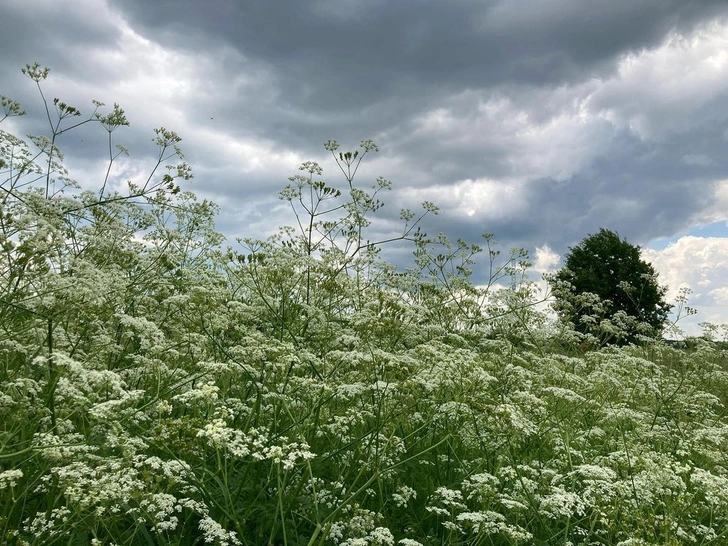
(156, 388)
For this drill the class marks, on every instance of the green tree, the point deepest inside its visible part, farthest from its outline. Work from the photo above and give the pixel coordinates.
(607, 291)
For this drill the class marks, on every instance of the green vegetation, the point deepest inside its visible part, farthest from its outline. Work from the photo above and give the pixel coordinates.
(156, 388)
(608, 292)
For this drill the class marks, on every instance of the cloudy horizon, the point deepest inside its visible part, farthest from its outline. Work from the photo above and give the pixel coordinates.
(538, 121)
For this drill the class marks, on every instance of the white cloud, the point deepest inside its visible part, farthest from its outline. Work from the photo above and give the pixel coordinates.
(489, 199)
(718, 210)
(557, 144)
(247, 155)
(558, 132)
(546, 260)
(720, 295)
(701, 264)
(158, 86)
(665, 89)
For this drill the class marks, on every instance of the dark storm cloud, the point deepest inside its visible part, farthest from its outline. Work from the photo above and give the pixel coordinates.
(357, 66)
(367, 48)
(57, 34)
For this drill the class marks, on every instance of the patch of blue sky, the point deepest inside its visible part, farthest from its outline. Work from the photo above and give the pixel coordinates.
(716, 229)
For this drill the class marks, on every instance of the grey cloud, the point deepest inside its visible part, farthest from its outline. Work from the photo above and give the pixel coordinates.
(447, 45)
(58, 34)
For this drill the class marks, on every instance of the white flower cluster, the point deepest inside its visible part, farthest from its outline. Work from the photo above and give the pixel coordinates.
(47, 525)
(445, 501)
(9, 478)
(560, 503)
(203, 395)
(487, 523)
(214, 533)
(403, 496)
(360, 529)
(255, 444)
(161, 508)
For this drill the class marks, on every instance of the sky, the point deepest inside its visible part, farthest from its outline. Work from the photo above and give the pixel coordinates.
(540, 121)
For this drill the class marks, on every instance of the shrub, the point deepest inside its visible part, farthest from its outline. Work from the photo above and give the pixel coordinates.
(608, 292)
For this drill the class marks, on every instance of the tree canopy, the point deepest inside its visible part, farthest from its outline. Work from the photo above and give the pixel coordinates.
(607, 290)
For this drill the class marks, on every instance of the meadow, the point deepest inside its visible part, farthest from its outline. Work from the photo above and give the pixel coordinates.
(160, 387)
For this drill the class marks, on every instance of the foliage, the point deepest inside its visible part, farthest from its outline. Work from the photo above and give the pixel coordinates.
(608, 292)
(156, 388)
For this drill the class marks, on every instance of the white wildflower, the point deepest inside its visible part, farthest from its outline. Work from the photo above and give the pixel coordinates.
(202, 395)
(381, 536)
(213, 532)
(10, 478)
(403, 495)
(480, 486)
(562, 504)
(163, 407)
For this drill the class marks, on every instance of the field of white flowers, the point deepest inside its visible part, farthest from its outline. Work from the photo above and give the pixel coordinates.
(156, 388)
